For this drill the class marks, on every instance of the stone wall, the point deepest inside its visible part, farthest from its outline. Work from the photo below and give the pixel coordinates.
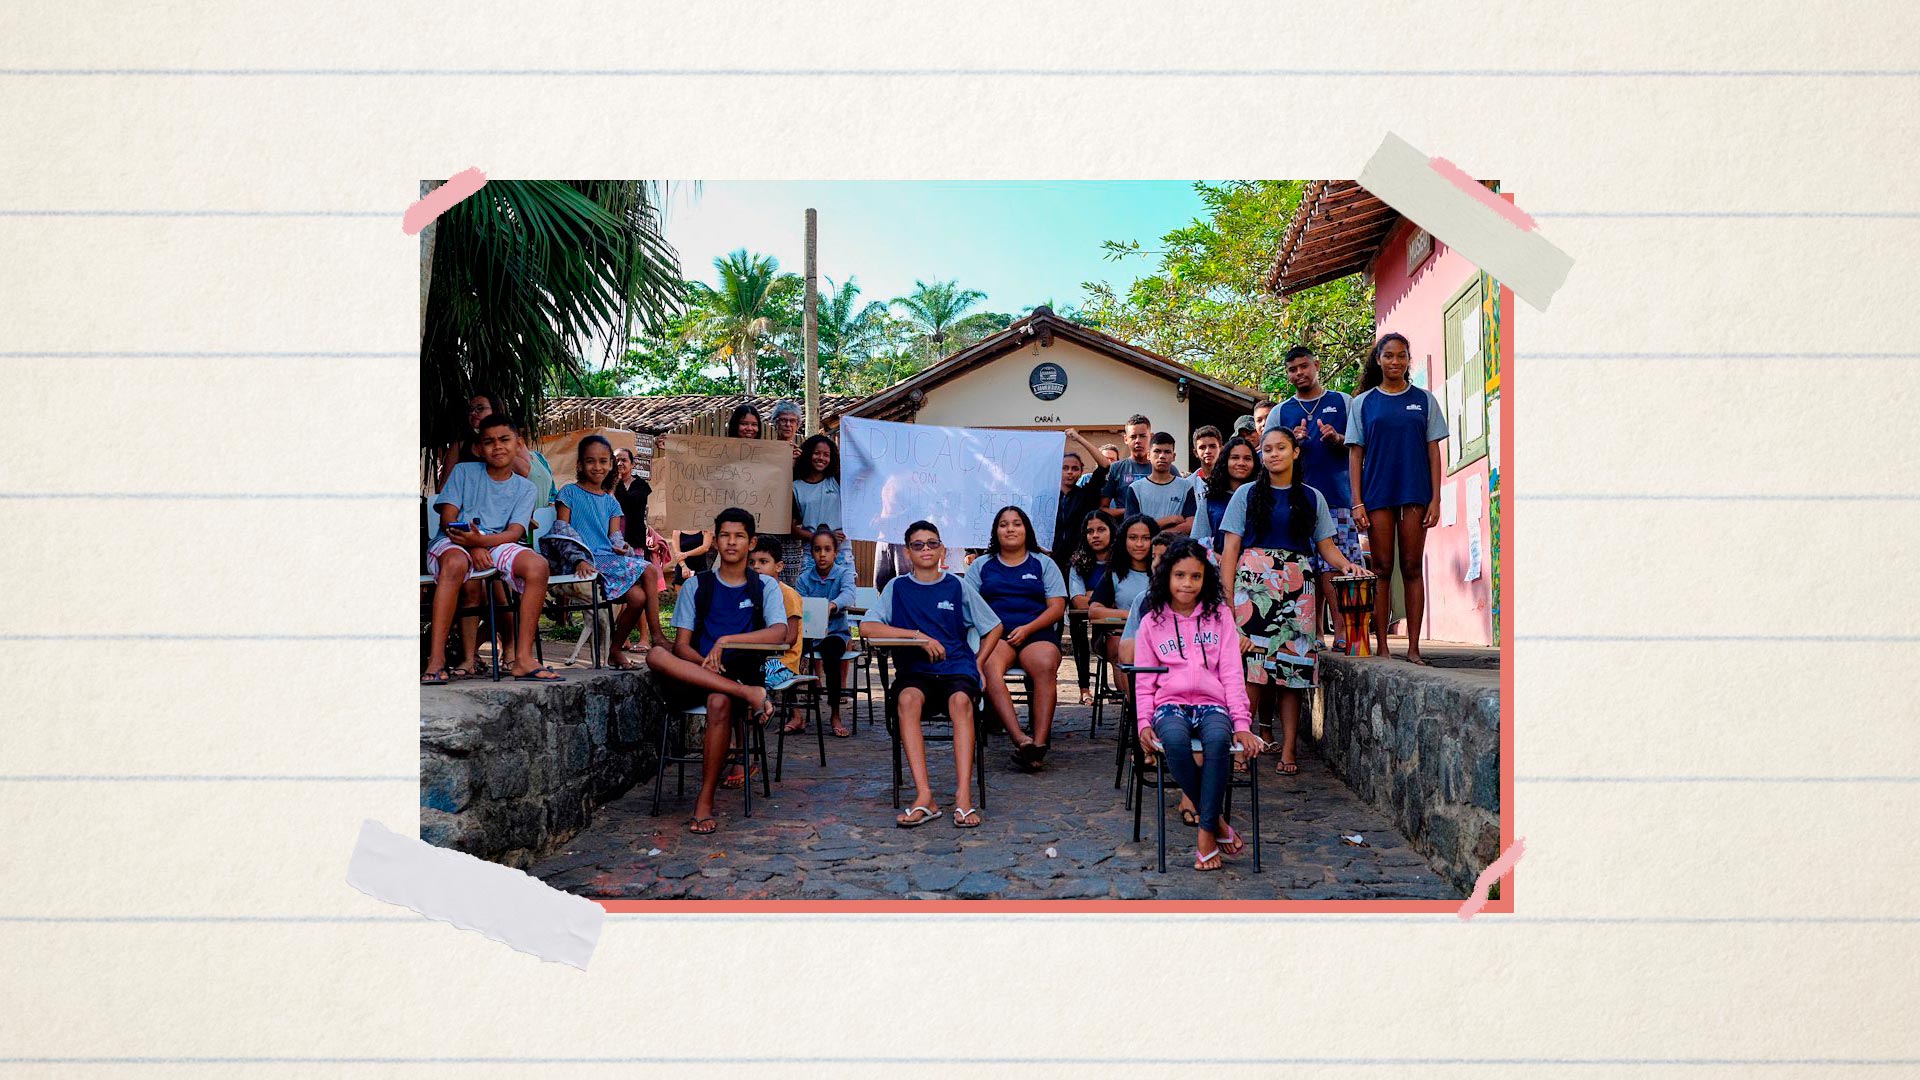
(510, 771)
(1423, 746)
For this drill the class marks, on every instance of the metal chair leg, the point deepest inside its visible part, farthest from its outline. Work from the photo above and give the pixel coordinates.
(1253, 799)
(1160, 804)
(813, 717)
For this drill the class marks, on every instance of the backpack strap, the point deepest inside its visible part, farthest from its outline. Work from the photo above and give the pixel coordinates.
(704, 585)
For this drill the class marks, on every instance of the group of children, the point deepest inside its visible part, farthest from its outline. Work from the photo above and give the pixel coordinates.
(1215, 574)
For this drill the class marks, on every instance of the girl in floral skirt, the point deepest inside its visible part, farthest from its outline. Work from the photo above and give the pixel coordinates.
(1269, 532)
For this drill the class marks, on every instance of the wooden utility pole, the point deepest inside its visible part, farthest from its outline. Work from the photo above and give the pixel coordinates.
(811, 339)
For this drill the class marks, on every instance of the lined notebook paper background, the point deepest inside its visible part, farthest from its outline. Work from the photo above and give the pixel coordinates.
(208, 388)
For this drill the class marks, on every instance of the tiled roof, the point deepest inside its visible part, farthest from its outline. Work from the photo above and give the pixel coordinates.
(658, 415)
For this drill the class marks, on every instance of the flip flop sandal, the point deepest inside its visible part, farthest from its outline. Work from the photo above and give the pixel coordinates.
(1209, 862)
(917, 816)
(541, 674)
(966, 819)
(1288, 768)
(436, 678)
(733, 780)
(796, 727)
(840, 731)
(1189, 818)
(694, 826)
(1232, 844)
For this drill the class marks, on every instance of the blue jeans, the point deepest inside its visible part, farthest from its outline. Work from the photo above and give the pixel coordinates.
(1205, 783)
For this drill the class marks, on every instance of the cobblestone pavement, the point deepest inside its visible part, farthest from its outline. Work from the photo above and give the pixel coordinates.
(828, 834)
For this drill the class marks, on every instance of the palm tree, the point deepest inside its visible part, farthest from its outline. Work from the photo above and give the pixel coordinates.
(740, 316)
(525, 276)
(848, 329)
(936, 310)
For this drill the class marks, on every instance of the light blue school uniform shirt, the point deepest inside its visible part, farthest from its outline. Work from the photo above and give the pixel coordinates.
(1277, 530)
(1396, 430)
(818, 504)
(592, 515)
(1175, 497)
(836, 587)
(730, 612)
(487, 504)
(1132, 629)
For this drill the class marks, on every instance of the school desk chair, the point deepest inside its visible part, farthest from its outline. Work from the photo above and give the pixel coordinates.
(931, 713)
(788, 701)
(749, 743)
(429, 584)
(857, 688)
(1161, 781)
(560, 601)
(1107, 688)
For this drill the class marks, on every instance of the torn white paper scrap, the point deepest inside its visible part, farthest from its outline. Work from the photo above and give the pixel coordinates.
(498, 901)
(1449, 504)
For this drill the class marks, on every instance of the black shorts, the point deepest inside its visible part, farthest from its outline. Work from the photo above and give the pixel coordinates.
(744, 667)
(937, 688)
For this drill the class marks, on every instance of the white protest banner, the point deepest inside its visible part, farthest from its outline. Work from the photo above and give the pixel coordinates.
(894, 474)
(697, 476)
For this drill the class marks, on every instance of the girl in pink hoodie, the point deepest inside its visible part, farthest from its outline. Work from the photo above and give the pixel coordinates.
(1187, 627)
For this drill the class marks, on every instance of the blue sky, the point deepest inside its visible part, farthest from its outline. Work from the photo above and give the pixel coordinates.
(1020, 242)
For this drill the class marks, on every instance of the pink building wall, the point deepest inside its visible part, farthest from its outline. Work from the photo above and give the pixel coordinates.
(1457, 610)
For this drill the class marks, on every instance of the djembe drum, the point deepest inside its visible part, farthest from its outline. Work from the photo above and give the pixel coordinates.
(1354, 597)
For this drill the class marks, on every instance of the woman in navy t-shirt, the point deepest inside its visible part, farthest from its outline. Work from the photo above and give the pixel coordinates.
(1023, 586)
(1394, 431)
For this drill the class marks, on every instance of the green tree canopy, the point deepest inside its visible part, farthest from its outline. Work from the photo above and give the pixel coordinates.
(1206, 303)
(526, 276)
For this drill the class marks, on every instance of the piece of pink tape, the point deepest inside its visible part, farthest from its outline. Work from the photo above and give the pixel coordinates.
(1484, 883)
(441, 199)
(1458, 178)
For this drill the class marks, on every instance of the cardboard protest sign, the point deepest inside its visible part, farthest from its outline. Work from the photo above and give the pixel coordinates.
(697, 476)
(894, 474)
(562, 450)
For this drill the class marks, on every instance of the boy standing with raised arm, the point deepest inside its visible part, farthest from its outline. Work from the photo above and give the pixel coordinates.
(958, 630)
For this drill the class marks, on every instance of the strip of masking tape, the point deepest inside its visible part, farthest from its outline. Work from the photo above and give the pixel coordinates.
(1427, 192)
(498, 901)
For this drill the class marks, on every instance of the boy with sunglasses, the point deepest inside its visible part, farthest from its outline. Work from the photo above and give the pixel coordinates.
(955, 629)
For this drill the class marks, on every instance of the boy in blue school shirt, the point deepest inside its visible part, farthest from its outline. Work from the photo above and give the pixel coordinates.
(727, 605)
(957, 629)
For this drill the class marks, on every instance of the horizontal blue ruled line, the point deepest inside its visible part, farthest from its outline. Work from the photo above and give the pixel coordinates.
(1182, 1062)
(1399, 73)
(1715, 639)
(203, 496)
(200, 354)
(152, 636)
(1717, 355)
(1736, 215)
(110, 213)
